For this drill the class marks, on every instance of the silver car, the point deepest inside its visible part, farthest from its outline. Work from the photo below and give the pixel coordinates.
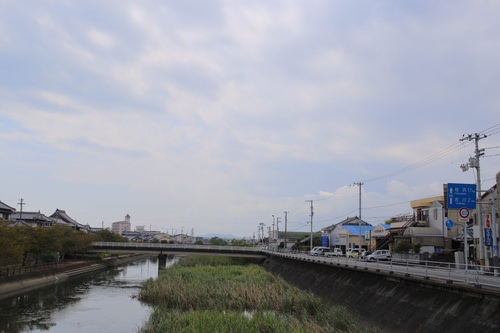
(379, 255)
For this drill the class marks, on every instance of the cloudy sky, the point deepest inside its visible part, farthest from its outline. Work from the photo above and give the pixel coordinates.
(212, 116)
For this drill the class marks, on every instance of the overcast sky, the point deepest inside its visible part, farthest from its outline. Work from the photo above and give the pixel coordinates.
(212, 116)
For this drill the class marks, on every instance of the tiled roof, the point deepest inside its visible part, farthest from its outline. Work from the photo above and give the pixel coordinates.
(61, 217)
(30, 216)
(346, 222)
(4, 207)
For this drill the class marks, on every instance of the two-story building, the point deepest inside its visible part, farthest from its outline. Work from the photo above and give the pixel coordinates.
(348, 233)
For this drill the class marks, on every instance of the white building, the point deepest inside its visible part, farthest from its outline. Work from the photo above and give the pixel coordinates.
(120, 226)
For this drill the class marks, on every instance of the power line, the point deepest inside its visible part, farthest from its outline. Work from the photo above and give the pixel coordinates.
(434, 157)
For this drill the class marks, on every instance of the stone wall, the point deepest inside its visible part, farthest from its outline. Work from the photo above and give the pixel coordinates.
(393, 304)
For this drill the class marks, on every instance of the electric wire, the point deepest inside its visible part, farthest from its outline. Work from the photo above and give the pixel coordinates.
(495, 129)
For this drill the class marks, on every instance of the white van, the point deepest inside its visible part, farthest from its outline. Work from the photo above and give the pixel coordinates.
(335, 252)
(318, 250)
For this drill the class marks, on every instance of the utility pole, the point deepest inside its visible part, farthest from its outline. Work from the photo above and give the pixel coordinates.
(286, 236)
(278, 231)
(312, 213)
(21, 204)
(262, 233)
(273, 230)
(359, 184)
(474, 163)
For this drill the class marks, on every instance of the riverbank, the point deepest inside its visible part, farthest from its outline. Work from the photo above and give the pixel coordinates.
(19, 284)
(395, 305)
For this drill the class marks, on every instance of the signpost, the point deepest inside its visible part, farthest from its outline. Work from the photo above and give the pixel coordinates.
(461, 196)
(464, 214)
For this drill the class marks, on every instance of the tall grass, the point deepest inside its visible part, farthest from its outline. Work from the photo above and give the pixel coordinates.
(195, 297)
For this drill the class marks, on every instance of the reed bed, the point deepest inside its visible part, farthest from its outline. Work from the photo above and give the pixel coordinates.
(221, 297)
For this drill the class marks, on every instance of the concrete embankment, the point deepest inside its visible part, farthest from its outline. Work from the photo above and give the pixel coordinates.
(19, 284)
(394, 304)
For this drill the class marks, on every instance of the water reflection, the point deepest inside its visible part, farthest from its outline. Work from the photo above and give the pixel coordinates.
(99, 302)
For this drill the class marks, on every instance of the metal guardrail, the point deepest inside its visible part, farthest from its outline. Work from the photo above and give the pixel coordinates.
(19, 269)
(430, 271)
(177, 247)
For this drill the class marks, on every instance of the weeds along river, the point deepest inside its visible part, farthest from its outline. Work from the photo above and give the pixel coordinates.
(104, 301)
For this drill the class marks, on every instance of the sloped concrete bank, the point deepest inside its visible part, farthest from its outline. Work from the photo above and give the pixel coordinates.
(19, 284)
(393, 304)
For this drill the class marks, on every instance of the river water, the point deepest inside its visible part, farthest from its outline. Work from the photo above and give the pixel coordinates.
(99, 302)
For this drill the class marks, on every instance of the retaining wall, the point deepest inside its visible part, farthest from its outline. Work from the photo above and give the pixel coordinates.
(19, 284)
(394, 304)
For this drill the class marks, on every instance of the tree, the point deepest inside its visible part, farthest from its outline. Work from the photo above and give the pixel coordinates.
(240, 242)
(106, 235)
(72, 241)
(11, 244)
(217, 241)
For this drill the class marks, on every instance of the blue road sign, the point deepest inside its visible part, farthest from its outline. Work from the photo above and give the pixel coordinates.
(449, 224)
(461, 196)
(325, 241)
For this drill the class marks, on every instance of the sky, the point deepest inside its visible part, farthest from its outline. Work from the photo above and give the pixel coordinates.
(212, 116)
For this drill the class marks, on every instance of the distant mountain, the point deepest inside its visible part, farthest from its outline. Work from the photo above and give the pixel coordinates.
(222, 236)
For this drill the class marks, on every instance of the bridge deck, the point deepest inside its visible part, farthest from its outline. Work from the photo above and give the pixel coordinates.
(239, 251)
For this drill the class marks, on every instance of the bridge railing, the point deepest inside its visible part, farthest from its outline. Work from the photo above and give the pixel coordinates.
(178, 247)
(447, 273)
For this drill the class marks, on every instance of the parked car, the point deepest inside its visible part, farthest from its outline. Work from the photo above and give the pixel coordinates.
(353, 253)
(318, 250)
(335, 252)
(365, 253)
(379, 255)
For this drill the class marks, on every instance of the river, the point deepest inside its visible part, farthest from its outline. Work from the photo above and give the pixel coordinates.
(99, 302)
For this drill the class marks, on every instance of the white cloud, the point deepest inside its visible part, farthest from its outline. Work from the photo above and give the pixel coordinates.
(218, 116)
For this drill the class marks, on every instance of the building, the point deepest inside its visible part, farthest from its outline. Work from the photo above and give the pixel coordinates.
(378, 234)
(60, 217)
(5, 211)
(346, 234)
(34, 219)
(120, 226)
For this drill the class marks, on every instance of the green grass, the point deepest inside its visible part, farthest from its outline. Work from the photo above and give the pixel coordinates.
(220, 297)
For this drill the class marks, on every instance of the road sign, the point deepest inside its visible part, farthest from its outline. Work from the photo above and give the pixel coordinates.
(461, 195)
(463, 213)
(449, 224)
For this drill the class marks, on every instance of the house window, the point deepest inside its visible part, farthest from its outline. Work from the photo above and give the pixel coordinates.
(435, 213)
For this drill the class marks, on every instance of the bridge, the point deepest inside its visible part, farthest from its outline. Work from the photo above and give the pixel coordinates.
(179, 249)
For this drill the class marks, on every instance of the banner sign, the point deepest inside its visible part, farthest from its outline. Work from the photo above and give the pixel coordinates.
(488, 237)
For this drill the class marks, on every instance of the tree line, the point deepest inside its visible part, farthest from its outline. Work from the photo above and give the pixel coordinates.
(26, 245)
